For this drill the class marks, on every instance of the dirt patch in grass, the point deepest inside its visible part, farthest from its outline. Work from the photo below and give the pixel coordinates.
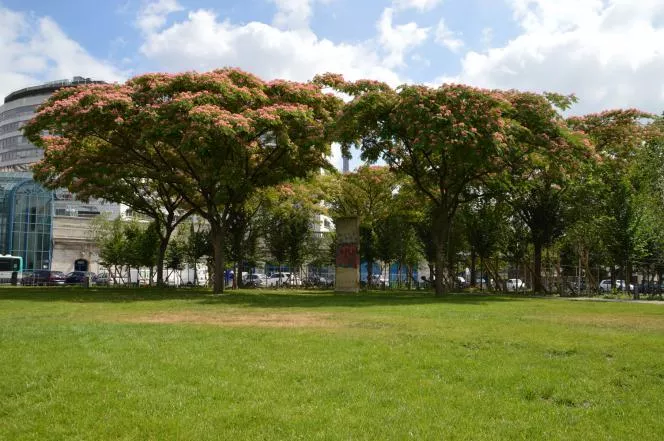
(267, 320)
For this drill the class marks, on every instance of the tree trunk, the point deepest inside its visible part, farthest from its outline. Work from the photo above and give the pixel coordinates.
(399, 275)
(440, 264)
(473, 271)
(440, 229)
(537, 270)
(218, 246)
(240, 270)
(628, 280)
(482, 274)
(161, 255)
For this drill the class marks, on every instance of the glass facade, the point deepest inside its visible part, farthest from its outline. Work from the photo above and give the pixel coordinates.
(29, 234)
(26, 220)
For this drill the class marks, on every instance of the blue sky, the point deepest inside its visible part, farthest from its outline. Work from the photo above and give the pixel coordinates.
(609, 52)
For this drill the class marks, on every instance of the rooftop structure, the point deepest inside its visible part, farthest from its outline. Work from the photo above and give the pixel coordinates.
(16, 152)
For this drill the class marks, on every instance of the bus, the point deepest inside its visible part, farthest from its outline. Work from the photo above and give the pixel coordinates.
(8, 265)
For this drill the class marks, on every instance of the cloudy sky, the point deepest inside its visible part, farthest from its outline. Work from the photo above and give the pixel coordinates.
(610, 53)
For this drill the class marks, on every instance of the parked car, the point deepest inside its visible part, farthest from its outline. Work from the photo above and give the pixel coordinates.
(255, 280)
(43, 277)
(605, 286)
(26, 277)
(651, 287)
(79, 277)
(513, 285)
(102, 279)
(483, 282)
(319, 281)
(461, 282)
(378, 280)
(283, 279)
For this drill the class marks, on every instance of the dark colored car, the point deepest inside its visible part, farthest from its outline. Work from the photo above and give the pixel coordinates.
(79, 277)
(43, 277)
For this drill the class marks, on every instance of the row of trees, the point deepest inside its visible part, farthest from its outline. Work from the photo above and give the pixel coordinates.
(276, 227)
(223, 144)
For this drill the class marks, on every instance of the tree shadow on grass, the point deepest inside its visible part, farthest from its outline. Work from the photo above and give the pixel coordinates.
(247, 298)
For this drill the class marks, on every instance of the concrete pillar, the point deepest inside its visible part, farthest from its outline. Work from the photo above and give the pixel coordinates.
(347, 278)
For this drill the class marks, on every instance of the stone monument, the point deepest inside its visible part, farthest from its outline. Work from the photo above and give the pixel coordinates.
(347, 278)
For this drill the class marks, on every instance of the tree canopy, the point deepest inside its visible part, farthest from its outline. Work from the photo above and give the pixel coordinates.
(215, 137)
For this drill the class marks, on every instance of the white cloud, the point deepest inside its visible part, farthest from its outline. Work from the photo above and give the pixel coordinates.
(398, 40)
(34, 50)
(608, 52)
(152, 15)
(294, 14)
(421, 5)
(447, 38)
(204, 42)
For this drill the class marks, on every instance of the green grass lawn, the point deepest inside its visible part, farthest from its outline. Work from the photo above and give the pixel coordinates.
(123, 364)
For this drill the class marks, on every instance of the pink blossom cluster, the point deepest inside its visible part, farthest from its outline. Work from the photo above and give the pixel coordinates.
(222, 118)
(331, 80)
(55, 143)
(153, 80)
(293, 86)
(445, 111)
(272, 113)
(88, 96)
(191, 96)
(286, 190)
(235, 82)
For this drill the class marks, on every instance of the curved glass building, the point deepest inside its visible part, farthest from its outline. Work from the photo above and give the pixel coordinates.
(48, 229)
(16, 152)
(26, 220)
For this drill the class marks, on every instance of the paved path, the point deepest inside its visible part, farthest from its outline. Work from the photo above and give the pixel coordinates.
(594, 299)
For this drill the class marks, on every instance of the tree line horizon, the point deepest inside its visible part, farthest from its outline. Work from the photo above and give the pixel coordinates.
(465, 166)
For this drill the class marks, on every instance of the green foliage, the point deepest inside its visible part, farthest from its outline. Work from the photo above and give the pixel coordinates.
(176, 254)
(197, 244)
(215, 138)
(454, 139)
(368, 193)
(483, 222)
(111, 240)
(287, 238)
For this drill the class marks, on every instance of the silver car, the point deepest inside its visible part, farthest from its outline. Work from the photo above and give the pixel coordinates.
(605, 285)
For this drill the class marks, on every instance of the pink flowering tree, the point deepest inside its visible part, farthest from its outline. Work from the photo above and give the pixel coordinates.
(455, 142)
(83, 166)
(551, 157)
(448, 140)
(213, 137)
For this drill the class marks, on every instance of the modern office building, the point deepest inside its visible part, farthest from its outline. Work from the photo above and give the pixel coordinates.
(49, 229)
(16, 152)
